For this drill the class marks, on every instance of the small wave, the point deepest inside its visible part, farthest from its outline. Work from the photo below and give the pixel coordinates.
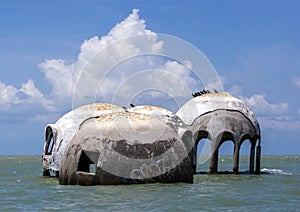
(275, 171)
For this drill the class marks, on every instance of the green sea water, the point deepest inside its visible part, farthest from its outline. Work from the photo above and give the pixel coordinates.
(23, 188)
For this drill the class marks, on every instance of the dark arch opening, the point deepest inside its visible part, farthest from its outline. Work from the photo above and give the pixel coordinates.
(200, 134)
(49, 139)
(87, 161)
(225, 136)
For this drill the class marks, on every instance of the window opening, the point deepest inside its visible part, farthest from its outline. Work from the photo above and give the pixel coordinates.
(49, 141)
(87, 162)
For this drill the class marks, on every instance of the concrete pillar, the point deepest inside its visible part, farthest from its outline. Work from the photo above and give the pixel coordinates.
(193, 158)
(236, 158)
(258, 153)
(214, 158)
(252, 155)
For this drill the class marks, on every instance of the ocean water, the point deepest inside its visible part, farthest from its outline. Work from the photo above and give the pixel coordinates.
(23, 188)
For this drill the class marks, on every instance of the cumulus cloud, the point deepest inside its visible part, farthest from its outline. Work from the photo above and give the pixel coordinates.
(261, 106)
(155, 79)
(63, 76)
(145, 79)
(275, 116)
(8, 94)
(27, 95)
(96, 74)
(69, 80)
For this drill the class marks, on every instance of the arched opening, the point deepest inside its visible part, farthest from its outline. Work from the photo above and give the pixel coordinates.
(225, 141)
(49, 139)
(245, 155)
(203, 155)
(226, 151)
(202, 151)
(87, 162)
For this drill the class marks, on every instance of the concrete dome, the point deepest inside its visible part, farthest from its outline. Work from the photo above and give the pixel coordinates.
(125, 148)
(58, 135)
(221, 117)
(212, 102)
(163, 115)
(173, 121)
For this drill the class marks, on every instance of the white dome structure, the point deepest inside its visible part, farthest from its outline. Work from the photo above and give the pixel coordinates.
(126, 148)
(58, 135)
(220, 117)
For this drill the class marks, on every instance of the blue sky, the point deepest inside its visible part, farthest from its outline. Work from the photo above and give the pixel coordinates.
(253, 45)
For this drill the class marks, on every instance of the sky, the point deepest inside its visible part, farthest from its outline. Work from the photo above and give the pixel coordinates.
(253, 46)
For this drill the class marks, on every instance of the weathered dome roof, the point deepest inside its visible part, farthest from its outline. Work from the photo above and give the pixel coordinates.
(130, 126)
(126, 147)
(210, 102)
(160, 113)
(66, 127)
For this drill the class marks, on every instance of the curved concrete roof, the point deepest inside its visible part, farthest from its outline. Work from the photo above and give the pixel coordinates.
(122, 144)
(133, 127)
(160, 113)
(211, 102)
(66, 127)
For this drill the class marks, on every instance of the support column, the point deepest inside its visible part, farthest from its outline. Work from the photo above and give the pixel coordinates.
(193, 158)
(214, 159)
(258, 153)
(252, 155)
(236, 158)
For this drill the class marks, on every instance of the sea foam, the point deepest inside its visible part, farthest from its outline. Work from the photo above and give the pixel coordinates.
(275, 171)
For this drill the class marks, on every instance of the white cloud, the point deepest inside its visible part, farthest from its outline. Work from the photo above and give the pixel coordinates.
(8, 94)
(129, 27)
(296, 81)
(270, 115)
(115, 76)
(181, 73)
(93, 52)
(63, 77)
(154, 80)
(235, 90)
(174, 79)
(34, 95)
(261, 106)
(275, 116)
(26, 96)
(46, 118)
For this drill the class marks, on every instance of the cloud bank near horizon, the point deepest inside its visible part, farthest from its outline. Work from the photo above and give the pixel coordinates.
(63, 77)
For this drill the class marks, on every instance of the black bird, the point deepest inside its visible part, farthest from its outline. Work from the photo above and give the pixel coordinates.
(204, 91)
